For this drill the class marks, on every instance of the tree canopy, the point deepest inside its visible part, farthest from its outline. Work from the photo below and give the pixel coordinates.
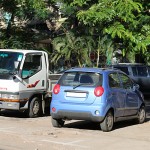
(17, 16)
(125, 22)
(78, 28)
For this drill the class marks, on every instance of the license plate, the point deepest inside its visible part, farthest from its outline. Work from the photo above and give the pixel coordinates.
(73, 94)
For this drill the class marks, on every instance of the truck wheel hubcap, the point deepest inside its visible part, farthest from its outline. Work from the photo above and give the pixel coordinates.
(36, 107)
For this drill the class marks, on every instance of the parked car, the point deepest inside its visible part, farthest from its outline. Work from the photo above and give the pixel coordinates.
(140, 73)
(99, 95)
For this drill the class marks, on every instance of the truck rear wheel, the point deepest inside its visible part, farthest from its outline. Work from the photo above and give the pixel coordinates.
(35, 108)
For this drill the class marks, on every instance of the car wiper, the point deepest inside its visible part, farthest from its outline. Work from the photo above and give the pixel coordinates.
(81, 84)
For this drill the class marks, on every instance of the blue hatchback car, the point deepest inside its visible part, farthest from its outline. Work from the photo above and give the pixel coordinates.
(96, 94)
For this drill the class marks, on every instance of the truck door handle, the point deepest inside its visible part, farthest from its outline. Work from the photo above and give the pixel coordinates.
(43, 82)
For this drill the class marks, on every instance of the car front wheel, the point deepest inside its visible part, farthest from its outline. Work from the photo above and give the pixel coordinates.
(108, 122)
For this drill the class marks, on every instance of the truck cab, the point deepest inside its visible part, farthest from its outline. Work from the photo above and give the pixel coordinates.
(24, 81)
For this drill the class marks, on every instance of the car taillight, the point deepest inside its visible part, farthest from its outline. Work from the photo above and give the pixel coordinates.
(56, 89)
(99, 91)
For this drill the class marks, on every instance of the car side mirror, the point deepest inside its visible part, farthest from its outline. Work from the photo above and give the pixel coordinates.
(136, 87)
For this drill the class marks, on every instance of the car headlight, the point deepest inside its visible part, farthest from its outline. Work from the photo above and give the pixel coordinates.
(9, 96)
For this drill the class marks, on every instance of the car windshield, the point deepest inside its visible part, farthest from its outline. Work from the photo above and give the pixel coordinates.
(77, 79)
(9, 63)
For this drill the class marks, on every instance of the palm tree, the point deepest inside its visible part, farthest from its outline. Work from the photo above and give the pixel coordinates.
(68, 46)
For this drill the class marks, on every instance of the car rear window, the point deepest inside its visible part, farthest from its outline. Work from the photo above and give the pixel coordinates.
(140, 71)
(80, 78)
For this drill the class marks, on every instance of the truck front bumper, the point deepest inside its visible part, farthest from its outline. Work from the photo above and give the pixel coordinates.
(9, 105)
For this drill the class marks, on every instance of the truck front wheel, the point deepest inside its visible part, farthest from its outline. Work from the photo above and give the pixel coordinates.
(35, 108)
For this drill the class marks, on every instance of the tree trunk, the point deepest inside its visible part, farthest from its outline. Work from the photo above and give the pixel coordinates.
(8, 30)
(98, 53)
(79, 63)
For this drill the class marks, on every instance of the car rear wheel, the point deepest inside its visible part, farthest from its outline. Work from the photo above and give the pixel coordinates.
(57, 122)
(141, 115)
(108, 122)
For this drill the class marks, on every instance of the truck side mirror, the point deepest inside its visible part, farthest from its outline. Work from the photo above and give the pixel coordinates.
(16, 64)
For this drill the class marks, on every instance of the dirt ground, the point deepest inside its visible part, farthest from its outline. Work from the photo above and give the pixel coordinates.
(20, 133)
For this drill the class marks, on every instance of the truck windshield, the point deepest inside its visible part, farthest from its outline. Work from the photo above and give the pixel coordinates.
(9, 63)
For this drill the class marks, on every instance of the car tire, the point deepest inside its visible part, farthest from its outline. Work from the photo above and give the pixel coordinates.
(35, 108)
(58, 123)
(108, 122)
(141, 115)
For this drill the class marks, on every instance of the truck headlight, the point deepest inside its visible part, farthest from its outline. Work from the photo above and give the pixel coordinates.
(9, 96)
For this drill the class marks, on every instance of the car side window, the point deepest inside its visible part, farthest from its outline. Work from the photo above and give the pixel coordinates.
(126, 81)
(124, 69)
(140, 71)
(114, 81)
(31, 65)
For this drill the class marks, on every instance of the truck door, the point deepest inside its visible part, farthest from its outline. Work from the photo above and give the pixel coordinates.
(34, 72)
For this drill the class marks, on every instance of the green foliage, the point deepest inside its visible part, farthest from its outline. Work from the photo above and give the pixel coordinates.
(25, 8)
(122, 19)
(15, 43)
(67, 46)
(98, 26)
(79, 2)
(16, 15)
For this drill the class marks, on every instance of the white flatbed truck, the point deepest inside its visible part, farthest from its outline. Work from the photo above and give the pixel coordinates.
(25, 82)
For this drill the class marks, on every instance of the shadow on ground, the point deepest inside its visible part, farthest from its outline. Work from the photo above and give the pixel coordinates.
(87, 125)
(17, 114)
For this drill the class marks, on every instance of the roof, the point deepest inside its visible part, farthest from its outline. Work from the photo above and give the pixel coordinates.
(21, 50)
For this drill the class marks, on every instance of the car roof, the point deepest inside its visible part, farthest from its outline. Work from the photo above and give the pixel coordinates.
(97, 70)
